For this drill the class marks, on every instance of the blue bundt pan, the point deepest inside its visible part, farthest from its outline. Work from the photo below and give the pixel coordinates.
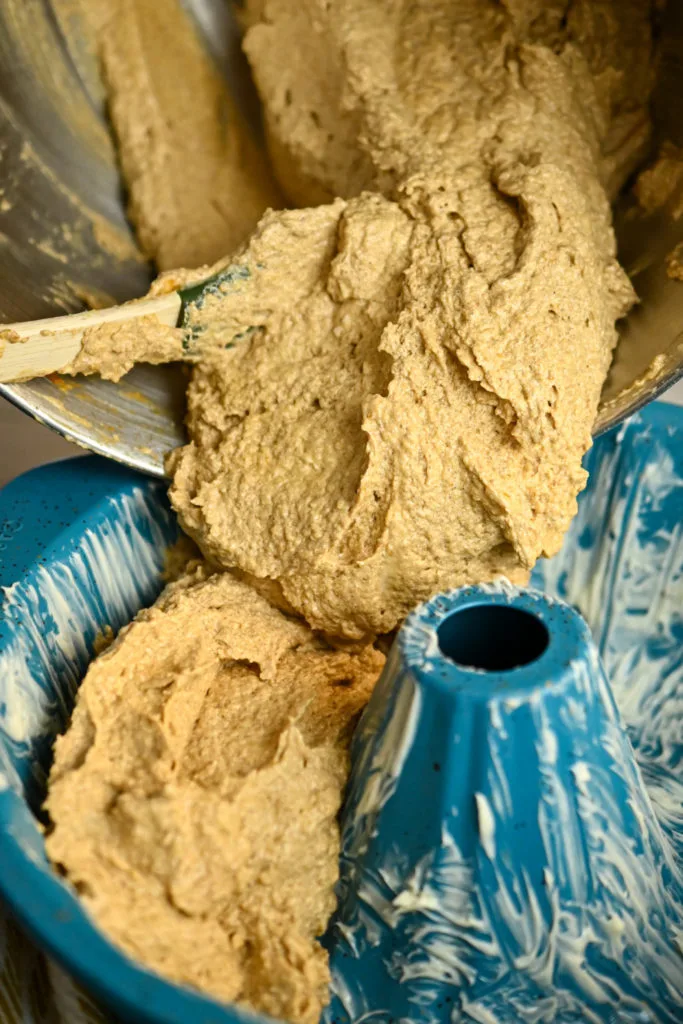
(513, 831)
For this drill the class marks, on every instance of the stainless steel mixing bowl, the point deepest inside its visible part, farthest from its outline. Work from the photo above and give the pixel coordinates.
(64, 240)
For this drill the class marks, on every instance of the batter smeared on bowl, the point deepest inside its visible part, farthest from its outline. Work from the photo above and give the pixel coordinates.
(394, 390)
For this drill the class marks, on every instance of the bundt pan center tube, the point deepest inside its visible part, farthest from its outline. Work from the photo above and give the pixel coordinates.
(501, 856)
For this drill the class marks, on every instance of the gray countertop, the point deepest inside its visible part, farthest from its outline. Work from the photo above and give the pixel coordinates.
(25, 443)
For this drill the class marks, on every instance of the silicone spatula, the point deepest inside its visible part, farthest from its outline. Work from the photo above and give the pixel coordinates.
(37, 348)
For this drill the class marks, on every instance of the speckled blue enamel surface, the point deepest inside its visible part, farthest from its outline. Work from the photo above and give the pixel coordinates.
(513, 843)
(512, 851)
(502, 859)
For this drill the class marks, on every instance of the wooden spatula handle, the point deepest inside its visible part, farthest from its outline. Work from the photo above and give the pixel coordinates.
(39, 347)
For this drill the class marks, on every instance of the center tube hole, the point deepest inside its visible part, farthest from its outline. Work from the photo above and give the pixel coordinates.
(492, 637)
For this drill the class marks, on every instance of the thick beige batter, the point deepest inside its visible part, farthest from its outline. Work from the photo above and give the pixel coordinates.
(364, 93)
(197, 182)
(413, 378)
(194, 797)
(396, 389)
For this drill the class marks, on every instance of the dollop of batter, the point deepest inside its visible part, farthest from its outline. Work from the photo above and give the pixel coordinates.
(194, 796)
(361, 94)
(396, 389)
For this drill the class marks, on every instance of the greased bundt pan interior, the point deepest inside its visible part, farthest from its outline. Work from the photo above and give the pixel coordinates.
(511, 835)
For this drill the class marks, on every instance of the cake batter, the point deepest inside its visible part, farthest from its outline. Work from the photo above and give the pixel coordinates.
(396, 389)
(194, 796)
(197, 182)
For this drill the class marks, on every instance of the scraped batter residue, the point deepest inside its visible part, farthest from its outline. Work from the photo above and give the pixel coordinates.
(196, 180)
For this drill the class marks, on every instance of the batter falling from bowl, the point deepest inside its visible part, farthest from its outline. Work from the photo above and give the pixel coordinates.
(393, 386)
(396, 387)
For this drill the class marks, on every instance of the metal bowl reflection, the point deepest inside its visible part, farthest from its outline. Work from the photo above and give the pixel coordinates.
(65, 242)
